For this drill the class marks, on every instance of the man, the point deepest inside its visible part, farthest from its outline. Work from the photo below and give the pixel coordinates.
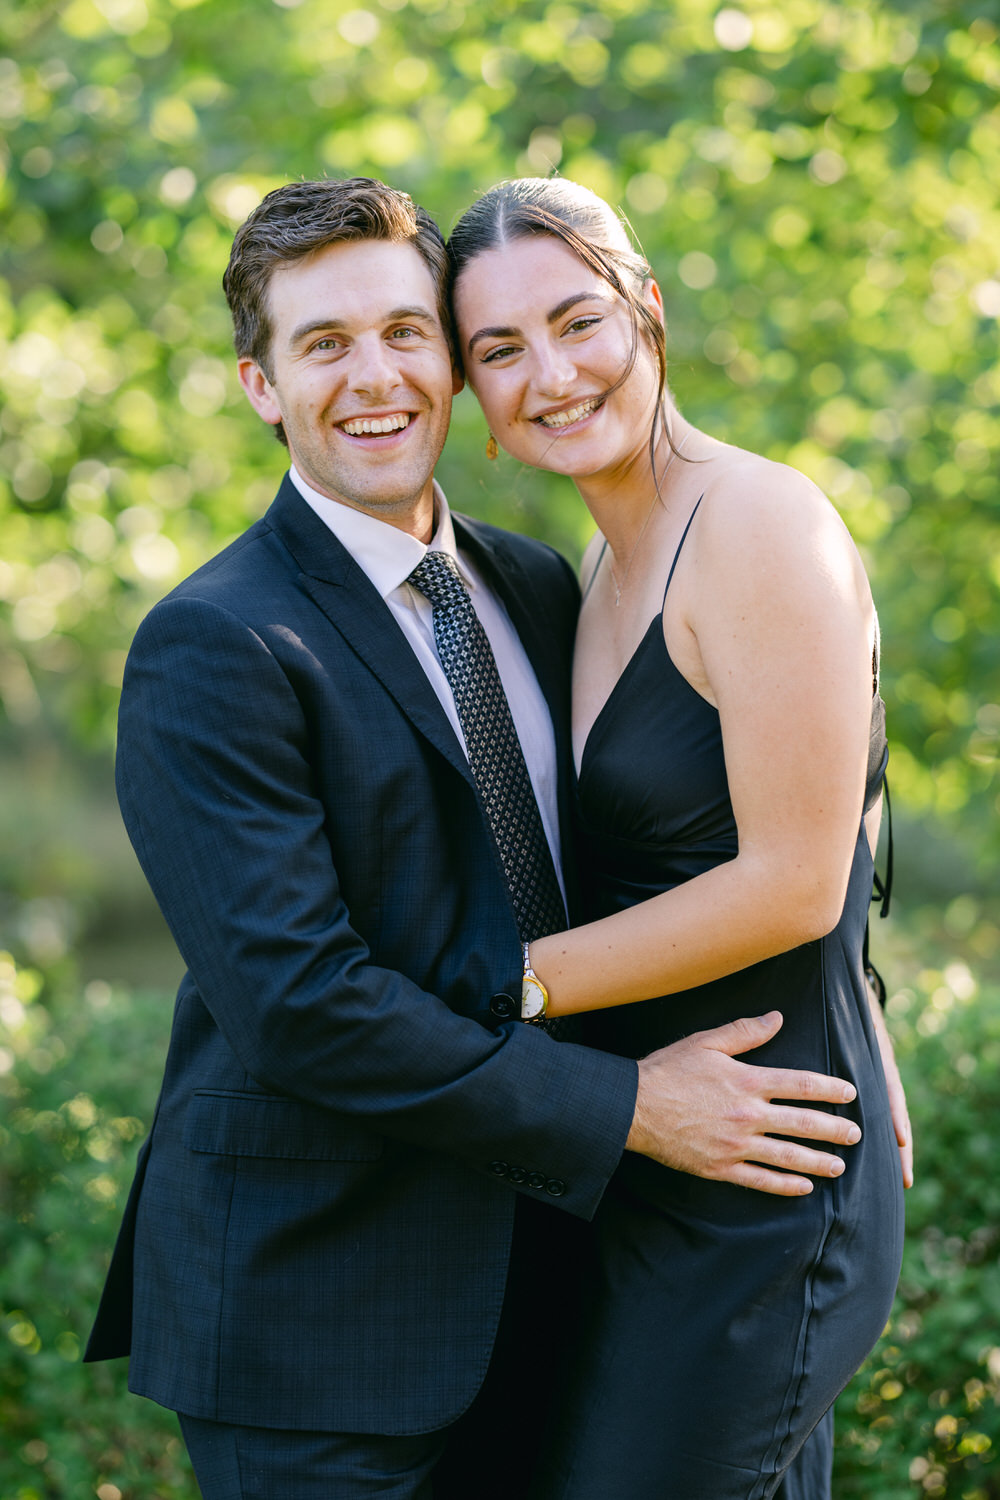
(355, 1128)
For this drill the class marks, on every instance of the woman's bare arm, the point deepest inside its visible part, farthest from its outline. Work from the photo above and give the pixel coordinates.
(773, 624)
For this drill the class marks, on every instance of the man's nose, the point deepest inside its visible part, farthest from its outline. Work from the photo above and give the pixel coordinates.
(373, 369)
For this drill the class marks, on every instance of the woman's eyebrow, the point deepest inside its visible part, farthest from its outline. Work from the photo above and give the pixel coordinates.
(551, 317)
(575, 297)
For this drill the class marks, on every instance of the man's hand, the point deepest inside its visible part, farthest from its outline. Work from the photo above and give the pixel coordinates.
(699, 1110)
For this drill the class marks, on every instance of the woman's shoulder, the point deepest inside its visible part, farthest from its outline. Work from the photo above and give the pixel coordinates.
(752, 502)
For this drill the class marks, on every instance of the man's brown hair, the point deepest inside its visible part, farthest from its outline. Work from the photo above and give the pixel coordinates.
(295, 221)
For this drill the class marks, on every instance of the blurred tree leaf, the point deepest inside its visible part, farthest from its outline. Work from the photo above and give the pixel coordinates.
(815, 185)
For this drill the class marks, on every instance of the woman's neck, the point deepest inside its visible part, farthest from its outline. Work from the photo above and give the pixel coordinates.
(622, 502)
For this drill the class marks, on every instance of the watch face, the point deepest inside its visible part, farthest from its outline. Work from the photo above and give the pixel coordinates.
(533, 1000)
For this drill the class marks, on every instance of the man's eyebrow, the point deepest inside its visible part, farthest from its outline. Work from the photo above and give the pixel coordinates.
(550, 317)
(413, 314)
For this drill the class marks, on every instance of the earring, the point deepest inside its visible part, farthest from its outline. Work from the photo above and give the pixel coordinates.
(491, 447)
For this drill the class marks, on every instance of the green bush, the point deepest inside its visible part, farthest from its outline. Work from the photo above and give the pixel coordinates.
(78, 1076)
(923, 1416)
(924, 1413)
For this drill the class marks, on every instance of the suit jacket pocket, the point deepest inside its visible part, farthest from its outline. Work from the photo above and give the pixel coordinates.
(231, 1124)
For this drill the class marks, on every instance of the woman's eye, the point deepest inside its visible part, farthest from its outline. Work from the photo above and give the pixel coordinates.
(500, 352)
(580, 325)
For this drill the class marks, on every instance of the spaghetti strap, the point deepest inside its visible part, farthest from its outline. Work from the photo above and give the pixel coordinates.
(680, 544)
(590, 580)
(600, 556)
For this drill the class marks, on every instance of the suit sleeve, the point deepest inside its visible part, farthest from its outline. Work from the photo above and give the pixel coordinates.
(218, 794)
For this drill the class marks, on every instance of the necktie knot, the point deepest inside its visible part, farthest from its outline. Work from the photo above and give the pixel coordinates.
(439, 580)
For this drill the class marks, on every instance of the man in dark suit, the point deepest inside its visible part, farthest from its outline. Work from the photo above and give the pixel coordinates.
(348, 1196)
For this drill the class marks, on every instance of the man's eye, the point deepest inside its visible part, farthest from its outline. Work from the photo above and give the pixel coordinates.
(324, 344)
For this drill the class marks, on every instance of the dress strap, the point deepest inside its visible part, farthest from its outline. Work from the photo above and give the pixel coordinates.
(883, 886)
(680, 544)
(590, 580)
(876, 655)
(882, 891)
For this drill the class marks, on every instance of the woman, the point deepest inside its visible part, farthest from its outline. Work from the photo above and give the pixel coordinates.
(730, 750)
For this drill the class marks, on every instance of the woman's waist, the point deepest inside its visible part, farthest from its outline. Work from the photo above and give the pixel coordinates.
(791, 982)
(616, 873)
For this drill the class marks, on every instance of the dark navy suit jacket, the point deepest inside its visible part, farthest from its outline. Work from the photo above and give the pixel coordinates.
(319, 1229)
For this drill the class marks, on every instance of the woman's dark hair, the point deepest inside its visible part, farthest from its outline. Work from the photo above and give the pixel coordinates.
(528, 206)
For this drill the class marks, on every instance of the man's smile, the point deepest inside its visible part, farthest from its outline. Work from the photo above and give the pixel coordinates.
(375, 426)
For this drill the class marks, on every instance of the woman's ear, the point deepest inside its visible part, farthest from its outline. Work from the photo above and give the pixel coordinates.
(653, 298)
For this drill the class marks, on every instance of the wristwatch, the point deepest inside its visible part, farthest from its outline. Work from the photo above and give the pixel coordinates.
(534, 995)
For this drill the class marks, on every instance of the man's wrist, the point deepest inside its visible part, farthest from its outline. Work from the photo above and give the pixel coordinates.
(638, 1138)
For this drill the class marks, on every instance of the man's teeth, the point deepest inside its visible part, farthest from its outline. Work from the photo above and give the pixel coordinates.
(564, 418)
(377, 425)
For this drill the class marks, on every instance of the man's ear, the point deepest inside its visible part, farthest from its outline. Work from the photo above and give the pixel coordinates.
(457, 380)
(259, 391)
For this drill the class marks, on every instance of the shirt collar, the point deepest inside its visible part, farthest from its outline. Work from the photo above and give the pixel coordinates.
(385, 553)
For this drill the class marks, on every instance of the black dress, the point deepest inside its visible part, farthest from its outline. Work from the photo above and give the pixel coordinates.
(721, 1323)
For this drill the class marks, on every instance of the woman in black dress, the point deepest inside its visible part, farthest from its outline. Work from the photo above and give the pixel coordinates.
(730, 749)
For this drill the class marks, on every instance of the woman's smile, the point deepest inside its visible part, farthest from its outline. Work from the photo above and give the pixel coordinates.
(573, 414)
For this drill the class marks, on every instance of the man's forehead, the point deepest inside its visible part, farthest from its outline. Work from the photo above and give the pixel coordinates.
(350, 267)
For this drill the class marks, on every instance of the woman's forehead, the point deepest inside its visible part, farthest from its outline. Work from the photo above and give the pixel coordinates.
(534, 270)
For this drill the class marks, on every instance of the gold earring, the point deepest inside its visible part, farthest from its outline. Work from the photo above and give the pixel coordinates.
(491, 447)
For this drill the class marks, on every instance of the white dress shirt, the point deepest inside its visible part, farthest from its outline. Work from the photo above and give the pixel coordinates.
(388, 556)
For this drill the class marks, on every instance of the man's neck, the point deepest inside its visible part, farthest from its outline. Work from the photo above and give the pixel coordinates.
(418, 518)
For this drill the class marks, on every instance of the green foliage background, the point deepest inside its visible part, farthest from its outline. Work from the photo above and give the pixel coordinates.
(815, 184)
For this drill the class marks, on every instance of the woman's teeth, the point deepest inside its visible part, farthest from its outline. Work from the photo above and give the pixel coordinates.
(564, 418)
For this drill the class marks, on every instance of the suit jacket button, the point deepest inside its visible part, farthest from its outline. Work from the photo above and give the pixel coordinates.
(502, 1006)
(555, 1187)
(517, 1175)
(499, 1168)
(537, 1180)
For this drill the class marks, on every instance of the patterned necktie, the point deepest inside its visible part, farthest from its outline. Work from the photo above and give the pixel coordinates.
(494, 749)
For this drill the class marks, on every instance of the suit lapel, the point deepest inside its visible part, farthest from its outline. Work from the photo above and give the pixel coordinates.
(355, 608)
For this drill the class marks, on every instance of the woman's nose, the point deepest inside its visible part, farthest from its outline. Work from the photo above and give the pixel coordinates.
(554, 371)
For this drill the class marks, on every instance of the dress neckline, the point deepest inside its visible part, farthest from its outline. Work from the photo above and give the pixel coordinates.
(657, 619)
